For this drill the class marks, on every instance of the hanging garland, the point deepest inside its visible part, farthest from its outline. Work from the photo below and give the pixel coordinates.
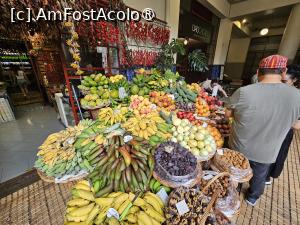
(74, 47)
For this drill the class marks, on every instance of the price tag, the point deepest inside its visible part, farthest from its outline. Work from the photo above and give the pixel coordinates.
(122, 93)
(220, 151)
(127, 138)
(172, 96)
(182, 207)
(153, 106)
(113, 213)
(204, 125)
(208, 177)
(162, 194)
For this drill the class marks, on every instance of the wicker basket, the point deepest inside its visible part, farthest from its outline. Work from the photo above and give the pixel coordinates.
(48, 179)
(239, 175)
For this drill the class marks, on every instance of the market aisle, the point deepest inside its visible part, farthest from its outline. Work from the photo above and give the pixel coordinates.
(44, 203)
(280, 203)
(19, 139)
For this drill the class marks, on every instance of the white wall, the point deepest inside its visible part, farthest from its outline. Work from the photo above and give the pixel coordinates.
(172, 16)
(223, 41)
(238, 50)
(159, 6)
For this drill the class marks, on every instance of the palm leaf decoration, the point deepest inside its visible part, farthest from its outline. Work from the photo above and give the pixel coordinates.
(198, 61)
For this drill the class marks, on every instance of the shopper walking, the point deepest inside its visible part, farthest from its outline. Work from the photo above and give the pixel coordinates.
(292, 78)
(22, 81)
(263, 114)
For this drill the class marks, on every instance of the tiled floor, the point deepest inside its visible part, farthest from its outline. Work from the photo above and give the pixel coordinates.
(44, 203)
(20, 139)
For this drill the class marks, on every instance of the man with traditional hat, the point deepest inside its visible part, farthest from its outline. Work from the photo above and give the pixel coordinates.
(263, 114)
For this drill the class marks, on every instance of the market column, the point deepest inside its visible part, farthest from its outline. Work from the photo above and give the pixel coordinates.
(172, 16)
(290, 41)
(223, 41)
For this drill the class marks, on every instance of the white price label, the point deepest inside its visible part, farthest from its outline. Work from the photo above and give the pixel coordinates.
(182, 207)
(208, 177)
(122, 93)
(204, 125)
(220, 151)
(162, 194)
(127, 138)
(172, 96)
(113, 213)
(153, 106)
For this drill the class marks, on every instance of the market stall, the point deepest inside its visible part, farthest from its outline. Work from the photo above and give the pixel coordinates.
(152, 154)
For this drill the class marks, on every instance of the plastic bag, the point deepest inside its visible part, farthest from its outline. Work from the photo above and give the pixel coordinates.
(241, 173)
(228, 202)
(218, 218)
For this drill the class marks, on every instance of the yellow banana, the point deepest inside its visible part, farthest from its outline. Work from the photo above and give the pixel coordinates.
(138, 202)
(133, 209)
(119, 200)
(78, 202)
(115, 194)
(152, 213)
(156, 197)
(103, 202)
(101, 216)
(123, 206)
(76, 218)
(131, 218)
(92, 215)
(82, 187)
(153, 202)
(85, 210)
(143, 219)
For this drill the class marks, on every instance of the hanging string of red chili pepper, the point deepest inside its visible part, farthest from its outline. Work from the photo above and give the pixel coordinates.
(144, 32)
(143, 57)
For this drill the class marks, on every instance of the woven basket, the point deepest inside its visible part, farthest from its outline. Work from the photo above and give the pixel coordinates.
(237, 174)
(48, 179)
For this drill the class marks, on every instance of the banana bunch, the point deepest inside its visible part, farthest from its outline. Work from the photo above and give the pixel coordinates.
(123, 167)
(116, 78)
(147, 126)
(111, 116)
(155, 186)
(92, 141)
(158, 84)
(82, 209)
(194, 87)
(57, 155)
(147, 210)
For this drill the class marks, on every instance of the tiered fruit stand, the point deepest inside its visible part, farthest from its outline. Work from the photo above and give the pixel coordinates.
(151, 137)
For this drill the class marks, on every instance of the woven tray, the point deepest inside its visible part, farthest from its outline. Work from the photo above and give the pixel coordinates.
(48, 179)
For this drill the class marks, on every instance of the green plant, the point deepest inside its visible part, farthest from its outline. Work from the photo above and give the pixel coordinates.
(198, 60)
(165, 59)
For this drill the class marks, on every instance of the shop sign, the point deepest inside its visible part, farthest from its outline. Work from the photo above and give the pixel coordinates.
(13, 57)
(192, 27)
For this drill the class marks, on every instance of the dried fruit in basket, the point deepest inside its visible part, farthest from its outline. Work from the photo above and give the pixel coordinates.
(197, 204)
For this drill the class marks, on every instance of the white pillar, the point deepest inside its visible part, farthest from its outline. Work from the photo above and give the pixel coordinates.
(172, 16)
(223, 41)
(290, 41)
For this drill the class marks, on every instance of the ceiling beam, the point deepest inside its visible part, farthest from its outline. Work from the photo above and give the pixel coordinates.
(254, 6)
(220, 8)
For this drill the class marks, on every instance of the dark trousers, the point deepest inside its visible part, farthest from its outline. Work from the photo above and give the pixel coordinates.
(257, 182)
(277, 167)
